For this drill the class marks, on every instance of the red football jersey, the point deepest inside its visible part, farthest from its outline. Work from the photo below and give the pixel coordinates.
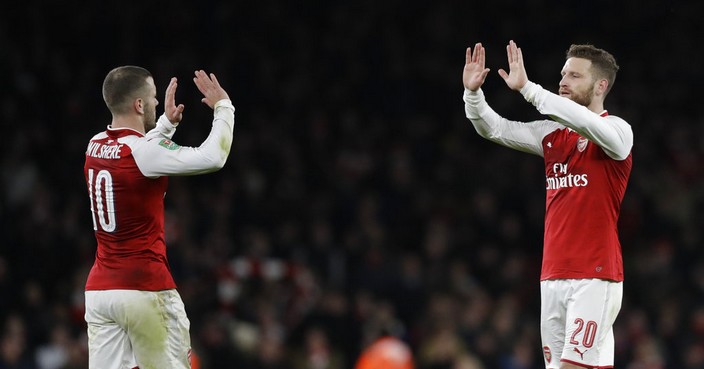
(128, 218)
(588, 161)
(127, 176)
(585, 188)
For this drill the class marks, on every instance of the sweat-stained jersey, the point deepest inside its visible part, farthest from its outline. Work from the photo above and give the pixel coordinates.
(587, 165)
(126, 174)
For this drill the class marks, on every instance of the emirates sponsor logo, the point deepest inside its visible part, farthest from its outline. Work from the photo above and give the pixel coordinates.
(562, 178)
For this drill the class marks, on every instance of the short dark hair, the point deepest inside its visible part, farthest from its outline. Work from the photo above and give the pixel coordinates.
(122, 85)
(603, 63)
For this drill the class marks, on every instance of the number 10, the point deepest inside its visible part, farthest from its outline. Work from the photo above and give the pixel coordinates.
(101, 194)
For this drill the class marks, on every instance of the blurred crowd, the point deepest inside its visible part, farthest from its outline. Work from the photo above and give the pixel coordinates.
(357, 200)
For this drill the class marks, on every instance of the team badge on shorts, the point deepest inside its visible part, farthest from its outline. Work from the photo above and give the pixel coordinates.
(547, 353)
(582, 144)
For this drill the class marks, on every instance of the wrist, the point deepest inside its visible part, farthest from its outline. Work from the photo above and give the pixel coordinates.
(224, 103)
(472, 96)
(529, 90)
(166, 122)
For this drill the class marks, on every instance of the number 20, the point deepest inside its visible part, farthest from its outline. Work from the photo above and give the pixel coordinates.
(101, 193)
(589, 332)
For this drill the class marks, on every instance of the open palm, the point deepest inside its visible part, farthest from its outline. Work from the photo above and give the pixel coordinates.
(516, 78)
(475, 71)
(173, 112)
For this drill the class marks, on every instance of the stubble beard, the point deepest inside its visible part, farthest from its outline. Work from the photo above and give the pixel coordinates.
(149, 119)
(583, 98)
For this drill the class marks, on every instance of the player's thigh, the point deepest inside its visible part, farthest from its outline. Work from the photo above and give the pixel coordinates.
(159, 330)
(592, 310)
(108, 344)
(591, 313)
(553, 297)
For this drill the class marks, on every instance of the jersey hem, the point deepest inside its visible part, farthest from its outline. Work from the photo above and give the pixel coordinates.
(129, 288)
(568, 276)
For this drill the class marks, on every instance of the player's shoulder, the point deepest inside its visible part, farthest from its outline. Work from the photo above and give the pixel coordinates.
(99, 136)
(150, 141)
(144, 146)
(131, 139)
(550, 125)
(616, 119)
(556, 129)
(621, 123)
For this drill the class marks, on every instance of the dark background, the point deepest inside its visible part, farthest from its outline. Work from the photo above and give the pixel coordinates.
(353, 172)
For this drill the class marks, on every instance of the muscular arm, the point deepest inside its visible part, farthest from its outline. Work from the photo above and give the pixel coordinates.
(156, 156)
(611, 133)
(522, 136)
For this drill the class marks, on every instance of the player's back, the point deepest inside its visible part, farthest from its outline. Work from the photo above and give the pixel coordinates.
(128, 216)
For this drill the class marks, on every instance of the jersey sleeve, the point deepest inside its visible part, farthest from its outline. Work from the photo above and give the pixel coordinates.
(158, 156)
(522, 136)
(611, 133)
(164, 129)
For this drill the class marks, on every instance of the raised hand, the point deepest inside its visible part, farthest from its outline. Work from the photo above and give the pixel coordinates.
(516, 78)
(475, 71)
(173, 112)
(209, 87)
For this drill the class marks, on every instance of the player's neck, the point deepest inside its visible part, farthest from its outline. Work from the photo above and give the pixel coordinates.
(132, 122)
(597, 106)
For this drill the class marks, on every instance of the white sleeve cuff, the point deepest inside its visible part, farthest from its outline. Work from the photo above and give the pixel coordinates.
(227, 103)
(166, 122)
(530, 91)
(473, 97)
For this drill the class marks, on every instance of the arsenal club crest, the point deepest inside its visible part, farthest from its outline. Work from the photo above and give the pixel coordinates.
(547, 353)
(582, 144)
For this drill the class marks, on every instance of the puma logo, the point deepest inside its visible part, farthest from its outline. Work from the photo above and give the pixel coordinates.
(581, 354)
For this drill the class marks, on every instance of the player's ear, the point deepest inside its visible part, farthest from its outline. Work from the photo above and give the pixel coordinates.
(602, 85)
(138, 105)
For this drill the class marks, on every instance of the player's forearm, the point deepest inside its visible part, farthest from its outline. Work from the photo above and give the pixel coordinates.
(157, 158)
(526, 137)
(216, 148)
(610, 133)
(473, 103)
(164, 128)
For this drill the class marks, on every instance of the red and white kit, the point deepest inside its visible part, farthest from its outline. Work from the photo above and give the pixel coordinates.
(587, 165)
(126, 173)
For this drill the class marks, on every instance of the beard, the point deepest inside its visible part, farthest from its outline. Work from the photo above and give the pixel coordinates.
(149, 118)
(583, 97)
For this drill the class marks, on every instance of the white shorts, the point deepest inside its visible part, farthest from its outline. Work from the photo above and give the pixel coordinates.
(129, 328)
(576, 321)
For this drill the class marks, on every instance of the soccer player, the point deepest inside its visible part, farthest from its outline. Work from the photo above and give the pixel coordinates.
(588, 160)
(135, 316)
